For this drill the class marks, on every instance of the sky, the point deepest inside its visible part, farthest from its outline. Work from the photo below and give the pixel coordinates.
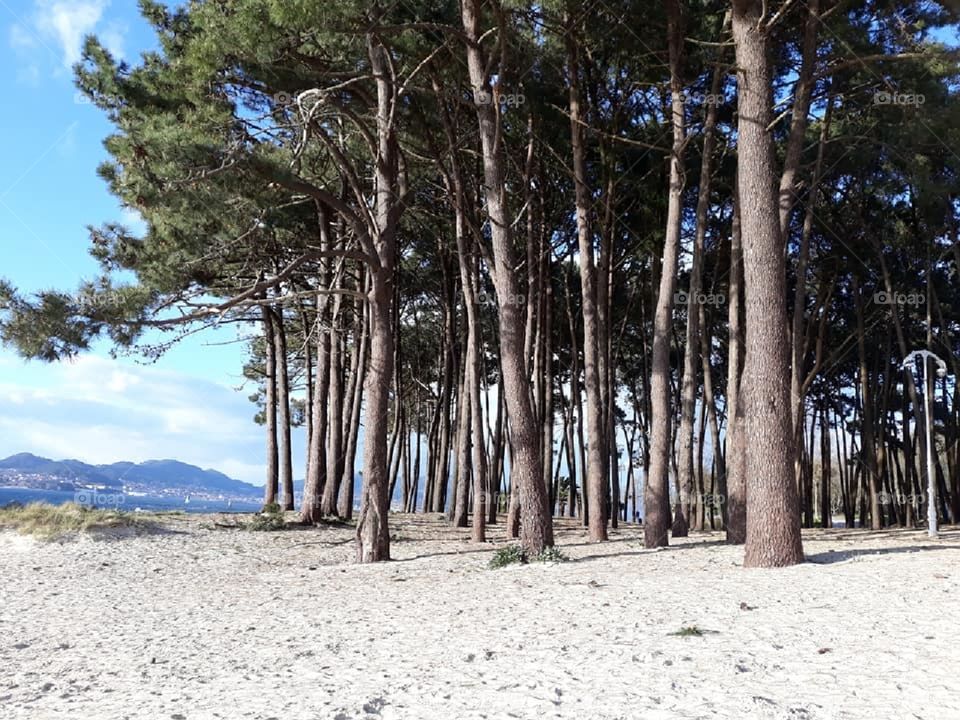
(187, 405)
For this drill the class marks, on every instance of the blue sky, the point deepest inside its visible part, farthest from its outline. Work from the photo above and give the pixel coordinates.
(185, 406)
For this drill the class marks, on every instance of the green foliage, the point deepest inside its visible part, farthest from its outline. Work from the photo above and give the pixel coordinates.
(692, 631)
(509, 555)
(269, 519)
(513, 554)
(552, 554)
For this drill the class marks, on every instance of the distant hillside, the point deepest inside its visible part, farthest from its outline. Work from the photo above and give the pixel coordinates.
(65, 470)
(153, 477)
(167, 473)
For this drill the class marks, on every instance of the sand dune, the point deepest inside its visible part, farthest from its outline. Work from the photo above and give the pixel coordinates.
(201, 623)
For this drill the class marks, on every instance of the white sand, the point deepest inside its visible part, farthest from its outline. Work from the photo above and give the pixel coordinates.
(232, 624)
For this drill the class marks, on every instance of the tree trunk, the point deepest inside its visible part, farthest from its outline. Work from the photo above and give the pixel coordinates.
(691, 354)
(283, 404)
(316, 470)
(331, 488)
(373, 536)
(536, 527)
(656, 496)
(594, 474)
(736, 500)
(270, 408)
(868, 445)
(358, 371)
(461, 499)
(773, 523)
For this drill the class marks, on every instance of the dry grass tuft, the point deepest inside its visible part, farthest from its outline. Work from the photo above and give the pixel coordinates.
(51, 522)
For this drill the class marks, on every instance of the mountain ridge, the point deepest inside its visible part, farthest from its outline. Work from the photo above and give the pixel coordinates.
(164, 476)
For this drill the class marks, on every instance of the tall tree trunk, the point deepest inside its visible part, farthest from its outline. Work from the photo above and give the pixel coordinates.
(496, 477)
(358, 371)
(441, 452)
(736, 500)
(719, 490)
(331, 488)
(773, 523)
(461, 500)
(536, 527)
(656, 497)
(373, 535)
(826, 506)
(306, 327)
(270, 408)
(283, 405)
(317, 468)
(868, 445)
(691, 354)
(481, 492)
(594, 472)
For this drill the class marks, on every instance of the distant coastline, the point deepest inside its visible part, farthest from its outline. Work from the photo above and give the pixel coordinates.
(121, 501)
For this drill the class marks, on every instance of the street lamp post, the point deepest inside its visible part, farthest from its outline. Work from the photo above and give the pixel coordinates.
(914, 357)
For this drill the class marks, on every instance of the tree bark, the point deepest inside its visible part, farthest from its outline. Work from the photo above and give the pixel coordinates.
(594, 472)
(331, 487)
(283, 405)
(373, 536)
(270, 408)
(656, 496)
(691, 354)
(736, 500)
(536, 527)
(358, 371)
(773, 523)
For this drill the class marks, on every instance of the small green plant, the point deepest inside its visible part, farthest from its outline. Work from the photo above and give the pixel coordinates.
(267, 523)
(692, 631)
(552, 555)
(269, 520)
(509, 555)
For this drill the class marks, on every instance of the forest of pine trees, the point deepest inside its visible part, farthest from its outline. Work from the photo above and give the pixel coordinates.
(609, 260)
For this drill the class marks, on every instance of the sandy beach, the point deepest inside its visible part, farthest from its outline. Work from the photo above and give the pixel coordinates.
(200, 622)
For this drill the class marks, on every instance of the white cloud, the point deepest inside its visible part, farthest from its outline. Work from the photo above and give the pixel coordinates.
(68, 22)
(101, 410)
(59, 27)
